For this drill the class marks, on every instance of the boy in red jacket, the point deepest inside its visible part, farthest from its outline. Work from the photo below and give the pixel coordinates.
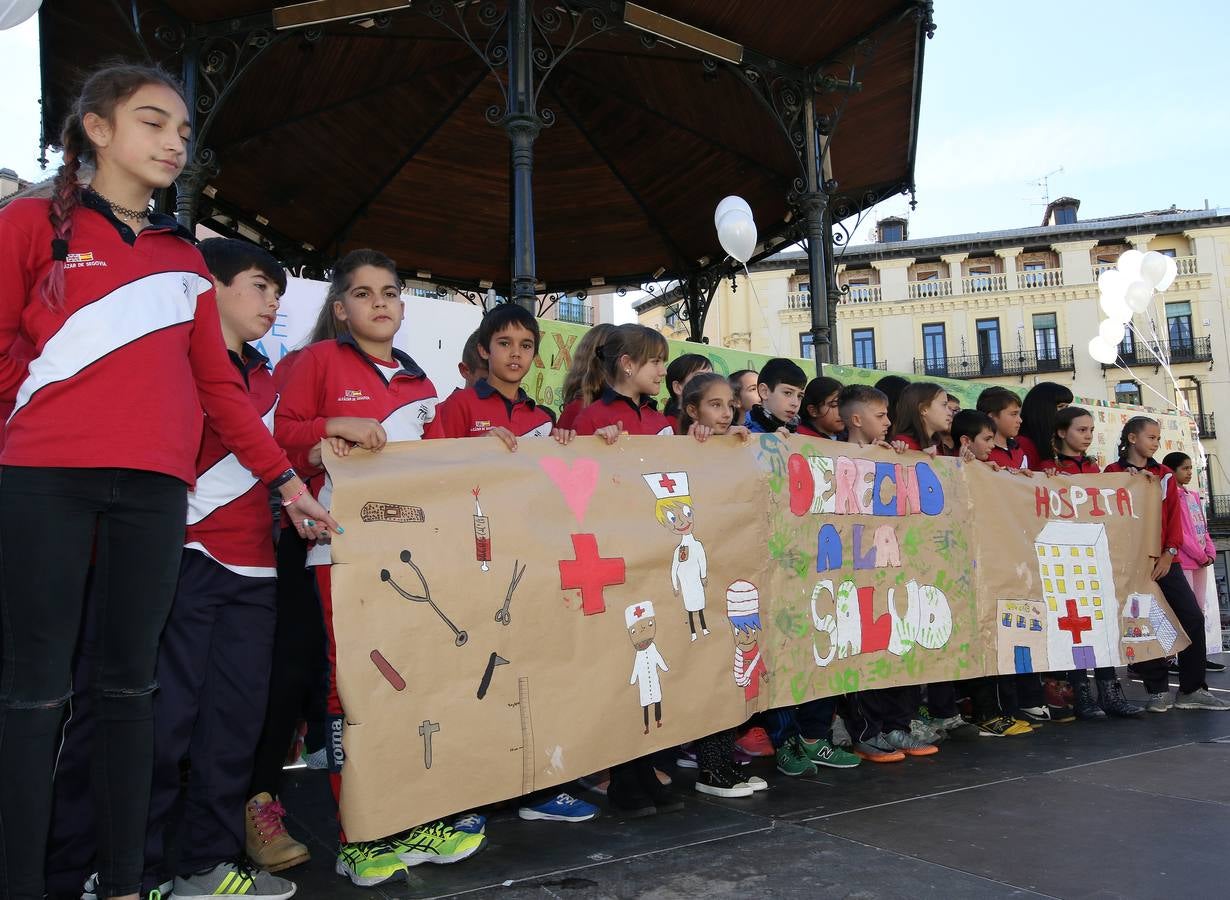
(507, 342)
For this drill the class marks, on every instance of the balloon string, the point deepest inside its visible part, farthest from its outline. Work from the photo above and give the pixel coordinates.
(760, 308)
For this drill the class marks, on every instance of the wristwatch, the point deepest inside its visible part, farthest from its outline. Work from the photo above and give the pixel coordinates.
(1173, 551)
(282, 479)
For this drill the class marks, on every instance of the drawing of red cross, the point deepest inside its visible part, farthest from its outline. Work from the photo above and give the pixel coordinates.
(638, 612)
(590, 573)
(667, 482)
(1074, 623)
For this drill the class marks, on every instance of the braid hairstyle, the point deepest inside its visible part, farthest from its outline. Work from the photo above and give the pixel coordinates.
(99, 95)
(585, 379)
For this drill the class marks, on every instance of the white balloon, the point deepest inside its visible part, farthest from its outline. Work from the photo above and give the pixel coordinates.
(1172, 272)
(727, 204)
(1112, 331)
(14, 12)
(1103, 351)
(1111, 286)
(1153, 267)
(1138, 295)
(1129, 263)
(737, 234)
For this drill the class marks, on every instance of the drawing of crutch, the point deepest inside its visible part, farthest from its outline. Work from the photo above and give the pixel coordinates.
(461, 636)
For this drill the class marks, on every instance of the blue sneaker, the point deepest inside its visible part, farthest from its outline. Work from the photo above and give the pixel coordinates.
(471, 823)
(564, 808)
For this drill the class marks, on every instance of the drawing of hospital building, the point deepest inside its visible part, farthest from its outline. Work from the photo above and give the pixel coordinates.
(1078, 588)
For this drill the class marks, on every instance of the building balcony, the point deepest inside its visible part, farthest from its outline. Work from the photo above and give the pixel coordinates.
(996, 365)
(879, 364)
(1219, 515)
(1142, 353)
(1186, 266)
(575, 312)
(1205, 425)
(925, 290)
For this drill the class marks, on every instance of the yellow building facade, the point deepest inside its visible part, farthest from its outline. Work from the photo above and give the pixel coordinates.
(1011, 307)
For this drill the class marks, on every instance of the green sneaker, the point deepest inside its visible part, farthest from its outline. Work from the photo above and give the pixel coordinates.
(436, 843)
(822, 753)
(368, 863)
(792, 760)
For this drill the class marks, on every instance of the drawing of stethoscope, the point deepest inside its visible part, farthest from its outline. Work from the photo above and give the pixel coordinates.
(461, 636)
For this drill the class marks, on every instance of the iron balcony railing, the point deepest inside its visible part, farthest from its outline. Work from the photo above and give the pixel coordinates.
(574, 312)
(996, 364)
(1206, 426)
(1219, 514)
(1188, 350)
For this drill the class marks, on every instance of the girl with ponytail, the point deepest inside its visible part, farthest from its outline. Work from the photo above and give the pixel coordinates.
(121, 351)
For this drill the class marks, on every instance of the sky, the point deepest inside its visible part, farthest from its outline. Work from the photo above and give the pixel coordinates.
(1127, 99)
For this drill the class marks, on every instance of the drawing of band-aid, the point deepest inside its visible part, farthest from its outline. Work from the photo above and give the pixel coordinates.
(375, 511)
(391, 675)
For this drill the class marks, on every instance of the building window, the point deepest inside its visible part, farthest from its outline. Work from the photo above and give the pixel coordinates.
(1179, 327)
(1127, 346)
(807, 346)
(1127, 392)
(860, 289)
(935, 348)
(932, 286)
(891, 231)
(672, 317)
(864, 340)
(428, 293)
(1187, 390)
(1033, 280)
(1171, 253)
(804, 287)
(990, 357)
(980, 278)
(1065, 215)
(1046, 338)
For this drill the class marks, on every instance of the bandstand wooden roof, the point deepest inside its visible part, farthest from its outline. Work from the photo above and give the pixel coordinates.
(374, 133)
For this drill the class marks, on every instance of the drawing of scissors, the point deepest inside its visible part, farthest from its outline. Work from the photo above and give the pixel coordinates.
(501, 614)
(461, 636)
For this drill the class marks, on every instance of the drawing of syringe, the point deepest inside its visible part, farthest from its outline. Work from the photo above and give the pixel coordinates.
(482, 534)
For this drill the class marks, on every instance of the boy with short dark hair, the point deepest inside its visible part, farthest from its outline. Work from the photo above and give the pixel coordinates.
(864, 410)
(1004, 408)
(780, 386)
(507, 342)
(216, 651)
(973, 435)
(472, 366)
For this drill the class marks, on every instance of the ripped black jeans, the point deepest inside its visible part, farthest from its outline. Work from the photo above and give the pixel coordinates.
(51, 522)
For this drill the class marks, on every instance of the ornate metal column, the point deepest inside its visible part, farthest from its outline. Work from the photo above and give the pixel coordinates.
(522, 125)
(814, 203)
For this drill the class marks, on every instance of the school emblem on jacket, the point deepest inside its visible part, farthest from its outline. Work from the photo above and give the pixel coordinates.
(689, 567)
(349, 396)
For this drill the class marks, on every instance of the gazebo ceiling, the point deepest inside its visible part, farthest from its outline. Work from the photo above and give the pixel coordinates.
(376, 133)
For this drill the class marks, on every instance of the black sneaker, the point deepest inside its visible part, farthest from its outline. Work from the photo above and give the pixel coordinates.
(1210, 666)
(631, 804)
(722, 783)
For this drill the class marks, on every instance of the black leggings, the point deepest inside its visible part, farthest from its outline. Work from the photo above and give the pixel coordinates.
(50, 522)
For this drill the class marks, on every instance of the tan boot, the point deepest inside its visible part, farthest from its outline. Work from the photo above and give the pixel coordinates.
(269, 846)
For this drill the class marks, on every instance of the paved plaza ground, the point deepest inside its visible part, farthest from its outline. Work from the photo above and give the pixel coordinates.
(1090, 810)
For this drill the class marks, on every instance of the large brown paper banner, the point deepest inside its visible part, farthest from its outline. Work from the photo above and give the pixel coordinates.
(510, 621)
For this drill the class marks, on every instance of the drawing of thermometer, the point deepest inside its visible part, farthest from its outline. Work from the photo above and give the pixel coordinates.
(482, 534)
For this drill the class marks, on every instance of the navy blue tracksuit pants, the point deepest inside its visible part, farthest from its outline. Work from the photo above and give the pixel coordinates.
(213, 675)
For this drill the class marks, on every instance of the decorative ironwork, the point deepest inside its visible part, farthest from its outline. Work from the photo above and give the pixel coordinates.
(1013, 363)
(1145, 353)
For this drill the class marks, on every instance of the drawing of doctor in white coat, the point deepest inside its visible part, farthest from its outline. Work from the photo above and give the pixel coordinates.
(642, 628)
(689, 567)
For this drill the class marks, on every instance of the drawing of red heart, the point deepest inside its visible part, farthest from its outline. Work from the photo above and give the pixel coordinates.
(575, 482)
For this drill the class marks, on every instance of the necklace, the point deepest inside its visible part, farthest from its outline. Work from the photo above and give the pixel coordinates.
(122, 212)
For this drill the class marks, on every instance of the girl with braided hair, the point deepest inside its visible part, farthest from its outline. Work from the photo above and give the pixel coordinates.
(121, 353)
